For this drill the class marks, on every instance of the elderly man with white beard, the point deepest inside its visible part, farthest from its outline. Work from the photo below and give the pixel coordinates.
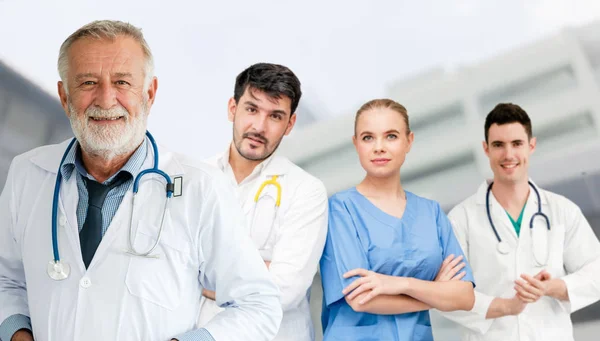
(80, 259)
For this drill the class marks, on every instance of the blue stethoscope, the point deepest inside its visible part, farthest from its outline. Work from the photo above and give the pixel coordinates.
(59, 270)
(503, 247)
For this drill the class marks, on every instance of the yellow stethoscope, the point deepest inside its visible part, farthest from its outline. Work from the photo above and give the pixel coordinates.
(273, 181)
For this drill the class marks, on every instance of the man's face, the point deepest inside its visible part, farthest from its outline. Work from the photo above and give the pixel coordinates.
(106, 101)
(259, 123)
(508, 149)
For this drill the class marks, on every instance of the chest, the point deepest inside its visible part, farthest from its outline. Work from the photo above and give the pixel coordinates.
(535, 248)
(402, 249)
(264, 201)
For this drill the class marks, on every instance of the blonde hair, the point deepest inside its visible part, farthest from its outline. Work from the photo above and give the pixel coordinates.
(106, 29)
(383, 103)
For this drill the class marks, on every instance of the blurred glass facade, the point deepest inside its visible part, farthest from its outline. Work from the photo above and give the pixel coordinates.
(29, 118)
(556, 80)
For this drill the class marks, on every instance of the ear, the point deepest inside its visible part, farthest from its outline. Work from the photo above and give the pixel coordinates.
(291, 124)
(486, 148)
(151, 92)
(411, 139)
(231, 108)
(64, 98)
(532, 144)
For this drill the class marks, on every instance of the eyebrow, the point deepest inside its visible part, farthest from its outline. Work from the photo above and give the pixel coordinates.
(81, 76)
(84, 75)
(387, 132)
(123, 75)
(276, 111)
(502, 142)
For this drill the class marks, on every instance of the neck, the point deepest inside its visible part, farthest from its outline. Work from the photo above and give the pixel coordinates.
(101, 168)
(240, 166)
(386, 188)
(511, 194)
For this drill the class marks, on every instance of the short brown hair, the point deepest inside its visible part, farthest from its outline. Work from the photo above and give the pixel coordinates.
(505, 113)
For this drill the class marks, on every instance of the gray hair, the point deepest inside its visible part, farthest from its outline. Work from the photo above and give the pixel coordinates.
(105, 29)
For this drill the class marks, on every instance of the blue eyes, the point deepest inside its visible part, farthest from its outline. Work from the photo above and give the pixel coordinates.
(389, 137)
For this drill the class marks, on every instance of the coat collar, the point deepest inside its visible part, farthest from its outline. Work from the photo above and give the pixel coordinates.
(49, 159)
(273, 165)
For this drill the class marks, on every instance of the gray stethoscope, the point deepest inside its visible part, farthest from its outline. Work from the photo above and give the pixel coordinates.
(59, 270)
(503, 247)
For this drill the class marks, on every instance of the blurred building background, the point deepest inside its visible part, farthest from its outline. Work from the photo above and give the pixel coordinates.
(29, 118)
(556, 80)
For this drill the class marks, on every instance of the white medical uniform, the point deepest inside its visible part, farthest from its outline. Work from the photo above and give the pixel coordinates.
(574, 256)
(124, 297)
(291, 238)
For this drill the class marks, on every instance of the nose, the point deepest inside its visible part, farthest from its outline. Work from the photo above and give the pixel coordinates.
(379, 146)
(106, 96)
(509, 152)
(259, 123)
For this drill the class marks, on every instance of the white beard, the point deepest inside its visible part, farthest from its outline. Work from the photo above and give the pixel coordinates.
(113, 140)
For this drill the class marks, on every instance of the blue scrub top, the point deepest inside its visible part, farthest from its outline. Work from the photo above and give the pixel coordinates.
(360, 235)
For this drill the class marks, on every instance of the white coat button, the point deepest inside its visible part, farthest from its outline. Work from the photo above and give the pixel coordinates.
(85, 282)
(62, 220)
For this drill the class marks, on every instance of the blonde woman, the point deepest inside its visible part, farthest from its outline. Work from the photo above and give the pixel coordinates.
(390, 255)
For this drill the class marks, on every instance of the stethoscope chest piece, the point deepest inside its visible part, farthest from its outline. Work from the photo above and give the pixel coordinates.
(503, 247)
(58, 271)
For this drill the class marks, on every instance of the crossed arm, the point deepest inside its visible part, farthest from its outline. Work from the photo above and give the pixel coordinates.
(390, 295)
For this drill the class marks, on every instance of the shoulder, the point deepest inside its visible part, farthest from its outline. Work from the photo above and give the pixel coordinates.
(557, 199)
(46, 158)
(297, 173)
(459, 212)
(301, 180)
(340, 200)
(198, 173)
(567, 210)
(424, 204)
(213, 160)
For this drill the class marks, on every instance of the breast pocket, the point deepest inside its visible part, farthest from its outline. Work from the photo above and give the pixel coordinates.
(165, 276)
(263, 228)
(547, 248)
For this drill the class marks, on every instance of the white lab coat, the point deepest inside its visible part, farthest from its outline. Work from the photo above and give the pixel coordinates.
(124, 297)
(294, 245)
(574, 256)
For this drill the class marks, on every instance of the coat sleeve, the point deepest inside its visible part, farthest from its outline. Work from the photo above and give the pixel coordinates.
(300, 244)
(14, 310)
(230, 261)
(581, 260)
(475, 318)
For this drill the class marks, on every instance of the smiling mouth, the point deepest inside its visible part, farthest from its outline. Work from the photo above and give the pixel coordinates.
(510, 166)
(100, 119)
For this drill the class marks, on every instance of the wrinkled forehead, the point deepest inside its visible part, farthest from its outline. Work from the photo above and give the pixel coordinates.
(507, 132)
(100, 55)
